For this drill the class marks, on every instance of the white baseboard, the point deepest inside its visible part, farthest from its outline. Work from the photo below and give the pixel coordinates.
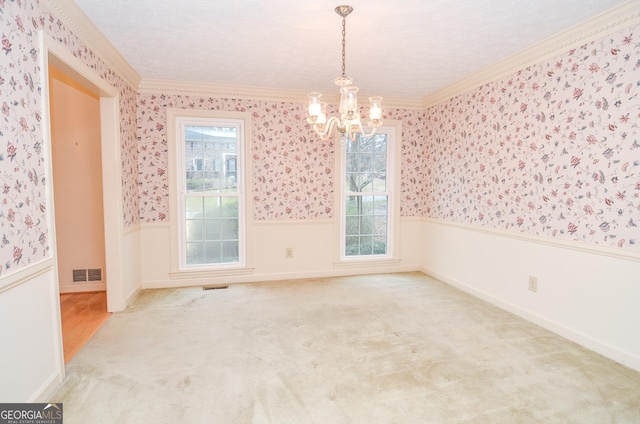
(161, 284)
(575, 336)
(82, 287)
(133, 295)
(43, 394)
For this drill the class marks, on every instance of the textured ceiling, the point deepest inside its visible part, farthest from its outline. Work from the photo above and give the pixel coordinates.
(402, 48)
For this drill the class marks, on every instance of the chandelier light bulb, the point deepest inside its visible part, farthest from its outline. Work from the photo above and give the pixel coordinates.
(349, 100)
(314, 104)
(375, 107)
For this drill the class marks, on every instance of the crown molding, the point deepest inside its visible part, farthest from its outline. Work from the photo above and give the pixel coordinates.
(619, 17)
(75, 19)
(184, 88)
(612, 20)
(253, 93)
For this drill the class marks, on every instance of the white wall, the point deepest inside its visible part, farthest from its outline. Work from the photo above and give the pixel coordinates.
(77, 180)
(585, 293)
(314, 254)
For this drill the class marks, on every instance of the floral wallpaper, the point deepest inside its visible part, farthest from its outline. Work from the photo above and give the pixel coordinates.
(552, 150)
(292, 168)
(23, 206)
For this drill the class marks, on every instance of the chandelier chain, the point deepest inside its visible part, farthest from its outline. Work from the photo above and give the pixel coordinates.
(344, 44)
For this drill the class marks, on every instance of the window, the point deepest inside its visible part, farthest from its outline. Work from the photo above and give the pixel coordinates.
(208, 194)
(197, 163)
(368, 204)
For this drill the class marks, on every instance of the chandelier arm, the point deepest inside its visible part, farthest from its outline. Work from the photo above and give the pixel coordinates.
(325, 135)
(371, 134)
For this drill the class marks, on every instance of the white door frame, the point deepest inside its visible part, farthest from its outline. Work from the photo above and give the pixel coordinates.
(63, 59)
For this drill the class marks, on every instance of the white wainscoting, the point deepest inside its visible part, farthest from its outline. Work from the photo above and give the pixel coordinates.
(31, 358)
(585, 293)
(314, 254)
(132, 264)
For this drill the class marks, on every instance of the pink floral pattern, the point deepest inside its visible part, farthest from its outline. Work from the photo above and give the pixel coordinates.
(293, 170)
(23, 208)
(552, 150)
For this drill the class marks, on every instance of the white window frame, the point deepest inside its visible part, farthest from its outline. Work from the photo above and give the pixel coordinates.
(176, 119)
(393, 129)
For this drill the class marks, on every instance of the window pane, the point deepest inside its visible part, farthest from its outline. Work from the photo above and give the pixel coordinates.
(366, 245)
(366, 225)
(379, 245)
(367, 205)
(352, 247)
(212, 207)
(353, 205)
(211, 158)
(380, 225)
(365, 164)
(230, 229)
(213, 229)
(195, 253)
(194, 180)
(230, 251)
(195, 230)
(380, 182)
(213, 252)
(193, 207)
(230, 207)
(379, 165)
(353, 225)
(350, 181)
(380, 205)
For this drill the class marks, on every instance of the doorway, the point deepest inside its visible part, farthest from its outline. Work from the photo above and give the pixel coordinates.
(60, 57)
(77, 184)
(76, 159)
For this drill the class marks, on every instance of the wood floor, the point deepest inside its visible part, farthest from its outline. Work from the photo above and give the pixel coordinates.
(82, 315)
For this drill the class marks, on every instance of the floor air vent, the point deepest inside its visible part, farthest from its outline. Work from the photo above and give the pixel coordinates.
(84, 275)
(216, 287)
(94, 274)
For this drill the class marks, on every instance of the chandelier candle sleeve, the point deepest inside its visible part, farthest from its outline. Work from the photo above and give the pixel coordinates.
(375, 108)
(349, 100)
(314, 104)
(322, 117)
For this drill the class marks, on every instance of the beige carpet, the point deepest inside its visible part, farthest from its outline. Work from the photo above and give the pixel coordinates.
(399, 348)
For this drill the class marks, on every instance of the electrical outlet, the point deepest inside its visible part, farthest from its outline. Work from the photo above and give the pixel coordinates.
(533, 284)
(288, 252)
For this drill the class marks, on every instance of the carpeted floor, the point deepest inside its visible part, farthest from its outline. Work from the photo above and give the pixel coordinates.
(399, 348)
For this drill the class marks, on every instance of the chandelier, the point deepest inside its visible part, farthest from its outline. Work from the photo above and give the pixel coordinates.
(349, 121)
